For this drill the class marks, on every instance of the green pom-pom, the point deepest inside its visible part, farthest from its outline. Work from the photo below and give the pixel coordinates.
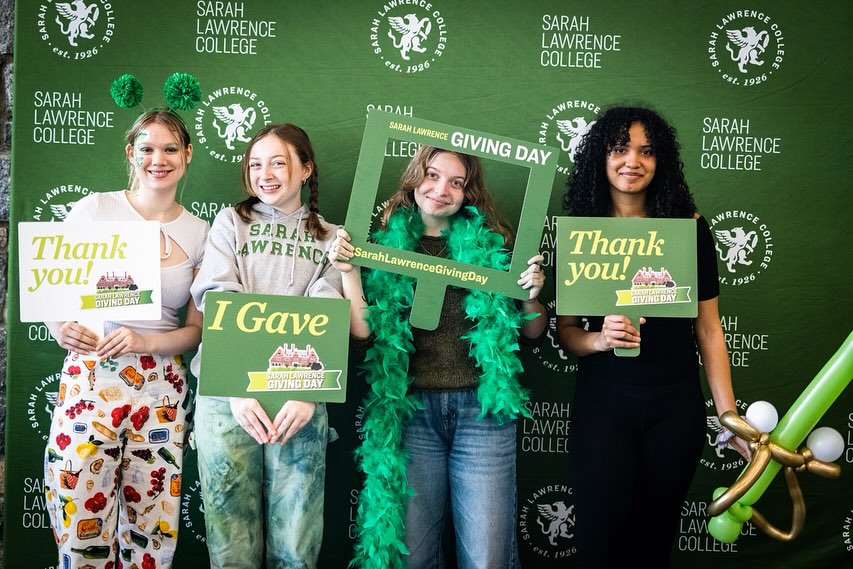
(182, 91)
(126, 91)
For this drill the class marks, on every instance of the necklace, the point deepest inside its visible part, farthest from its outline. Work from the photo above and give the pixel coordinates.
(422, 247)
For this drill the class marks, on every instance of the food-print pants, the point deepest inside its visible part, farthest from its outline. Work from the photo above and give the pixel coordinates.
(113, 460)
(263, 504)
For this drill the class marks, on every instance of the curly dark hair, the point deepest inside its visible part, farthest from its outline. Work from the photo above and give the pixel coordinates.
(588, 192)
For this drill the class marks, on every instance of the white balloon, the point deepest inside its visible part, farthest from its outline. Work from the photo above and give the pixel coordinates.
(763, 416)
(826, 444)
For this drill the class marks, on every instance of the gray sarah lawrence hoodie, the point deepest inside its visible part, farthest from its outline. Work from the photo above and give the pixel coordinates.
(271, 254)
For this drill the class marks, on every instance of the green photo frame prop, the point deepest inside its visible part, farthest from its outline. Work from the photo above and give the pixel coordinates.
(631, 266)
(274, 348)
(433, 274)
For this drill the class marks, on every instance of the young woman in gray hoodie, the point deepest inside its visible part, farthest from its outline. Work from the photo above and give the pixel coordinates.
(262, 486)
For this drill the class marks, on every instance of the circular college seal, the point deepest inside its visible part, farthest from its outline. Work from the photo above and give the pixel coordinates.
(546, 520)
(42, 400)
(226, 119)
(76, 29)
(55, 203)
(744, 245)
(564, 125)
(408, 37)
(746, 47)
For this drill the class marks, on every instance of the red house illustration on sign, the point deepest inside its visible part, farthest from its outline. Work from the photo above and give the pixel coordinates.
(291, 356)
(109, 282)
(647, 277)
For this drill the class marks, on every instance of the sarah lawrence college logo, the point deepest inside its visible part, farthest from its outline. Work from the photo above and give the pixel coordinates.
(55, 203)
(408, 36)
(567, 123)
(746, 47)
(192, 511)
(547, 522)
(744, 245)
(41, 402)
(226, 119)
(76, 29)
(847, 532)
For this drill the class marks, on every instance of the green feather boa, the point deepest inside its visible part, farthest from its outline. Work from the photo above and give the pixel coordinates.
(493, 346)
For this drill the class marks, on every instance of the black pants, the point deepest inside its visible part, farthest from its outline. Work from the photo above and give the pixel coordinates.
(634, 450)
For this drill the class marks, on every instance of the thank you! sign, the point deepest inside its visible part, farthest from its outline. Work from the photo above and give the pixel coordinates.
(89, 272)
(631, 266)
(274, 348)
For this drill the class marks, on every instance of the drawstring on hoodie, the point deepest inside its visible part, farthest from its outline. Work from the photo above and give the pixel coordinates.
(296, 245)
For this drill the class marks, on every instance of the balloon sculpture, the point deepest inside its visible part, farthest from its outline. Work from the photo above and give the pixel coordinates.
(772, 449)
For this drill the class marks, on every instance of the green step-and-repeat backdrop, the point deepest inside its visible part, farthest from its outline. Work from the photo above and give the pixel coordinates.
(759, 92)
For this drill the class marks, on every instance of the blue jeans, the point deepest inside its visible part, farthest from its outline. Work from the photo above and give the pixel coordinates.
(263, 504)
(463, 471)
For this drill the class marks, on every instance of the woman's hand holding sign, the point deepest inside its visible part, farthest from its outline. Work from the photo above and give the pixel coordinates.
(73, 336)
(252, 417)
(533, 278)
(122, 341)
(293, 416)
(341, 251)
(618, 331)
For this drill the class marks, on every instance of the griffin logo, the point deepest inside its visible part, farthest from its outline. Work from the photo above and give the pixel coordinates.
(233, 122)
(225, 120)
(408, 38)
(555, 519)
(85, 27)
(412, 31)
(746, 47)
(572, 119)
(573, 131)
(547, 521)
(740, 245)
(75, 19)
(744, 244)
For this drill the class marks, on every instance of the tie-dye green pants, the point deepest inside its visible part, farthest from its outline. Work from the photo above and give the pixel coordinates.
(263, 504)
